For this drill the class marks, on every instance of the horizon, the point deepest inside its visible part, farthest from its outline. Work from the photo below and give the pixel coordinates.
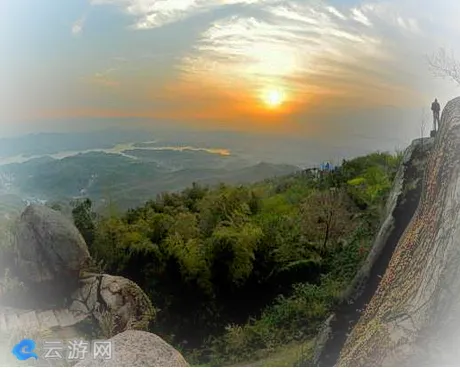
(255, 147)
(343, 72)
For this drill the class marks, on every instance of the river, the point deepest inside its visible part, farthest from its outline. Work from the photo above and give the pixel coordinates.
(117, 149)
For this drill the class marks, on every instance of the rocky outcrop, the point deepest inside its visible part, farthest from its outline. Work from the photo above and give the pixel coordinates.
(115, 297)
(138, 349)
(414, 316)
(52, 265)
(401, 205)
(49, 246)
(12, 319)
(50, 252)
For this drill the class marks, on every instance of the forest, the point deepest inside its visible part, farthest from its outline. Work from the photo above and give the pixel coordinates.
(235, 272)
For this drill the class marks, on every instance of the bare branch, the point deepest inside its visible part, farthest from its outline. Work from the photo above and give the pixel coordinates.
(444, 65)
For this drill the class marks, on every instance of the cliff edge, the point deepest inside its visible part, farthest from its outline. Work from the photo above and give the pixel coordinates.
(400, 207)
(414, 316)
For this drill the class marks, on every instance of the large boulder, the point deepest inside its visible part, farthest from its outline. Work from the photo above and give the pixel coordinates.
(48, 245)
(413, 318)
(137, 349)
(115, 302)
(50, 251)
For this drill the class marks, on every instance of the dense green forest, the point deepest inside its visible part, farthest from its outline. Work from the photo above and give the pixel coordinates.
(237, 271)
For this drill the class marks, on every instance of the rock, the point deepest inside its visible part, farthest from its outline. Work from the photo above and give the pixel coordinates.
(48, 245)
(113, 300)
(414, 316)
(406, 188)
(400, 207)
(323, 336)
(138, 349)
(50, 254)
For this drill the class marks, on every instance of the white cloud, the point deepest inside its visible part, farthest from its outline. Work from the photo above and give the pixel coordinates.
(311, 47)
(296, 46)
(360, 17)
(334, 11)
(150, 14)
(78, 25)
(307, 45)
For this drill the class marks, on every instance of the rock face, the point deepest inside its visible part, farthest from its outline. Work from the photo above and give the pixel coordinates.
(414, 316)
(49, 247)
(12, 319)
(114, 297)
(53, 263)
(400, 207)
(138, 349)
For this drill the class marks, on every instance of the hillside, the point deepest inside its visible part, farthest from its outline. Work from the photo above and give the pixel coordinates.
(286, 246)
(237, 273)
(126, 180)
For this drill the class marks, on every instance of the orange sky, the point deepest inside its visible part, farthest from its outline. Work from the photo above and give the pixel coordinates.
(209, 65)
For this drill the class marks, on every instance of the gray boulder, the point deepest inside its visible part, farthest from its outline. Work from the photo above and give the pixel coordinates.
(50, 254)
(115, 302)
(49, 247)
(137, 349)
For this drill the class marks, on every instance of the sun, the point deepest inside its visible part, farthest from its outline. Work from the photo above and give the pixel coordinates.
(273, 98)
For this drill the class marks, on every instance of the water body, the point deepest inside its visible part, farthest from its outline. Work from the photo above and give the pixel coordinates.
(117, 149)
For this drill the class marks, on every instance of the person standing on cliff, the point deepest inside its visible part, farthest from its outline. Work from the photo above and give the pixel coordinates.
(435, 108)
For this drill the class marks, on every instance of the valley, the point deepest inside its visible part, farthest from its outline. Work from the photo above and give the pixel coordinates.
(125, 175)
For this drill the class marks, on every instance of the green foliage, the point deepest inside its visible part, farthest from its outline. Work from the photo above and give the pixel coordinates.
(83, 217)
(252, 266)
(290, 318)
(238, 242)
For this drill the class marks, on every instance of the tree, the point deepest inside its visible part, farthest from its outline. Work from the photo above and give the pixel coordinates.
(231, 250)
(445, 65)
(325, 218)
(83, 217)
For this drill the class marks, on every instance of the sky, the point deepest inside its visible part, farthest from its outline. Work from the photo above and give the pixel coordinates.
(344, 71)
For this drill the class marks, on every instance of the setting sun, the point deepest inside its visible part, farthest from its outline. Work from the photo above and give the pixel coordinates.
(273, 98)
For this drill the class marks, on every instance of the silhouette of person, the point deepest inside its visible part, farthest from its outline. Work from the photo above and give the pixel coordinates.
(435, 108)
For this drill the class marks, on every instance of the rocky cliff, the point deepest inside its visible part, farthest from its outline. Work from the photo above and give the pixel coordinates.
(401, 205)
(61, 296)
(413, 317)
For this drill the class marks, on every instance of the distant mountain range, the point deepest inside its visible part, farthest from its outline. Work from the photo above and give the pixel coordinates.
(51, 143)
(129, 178)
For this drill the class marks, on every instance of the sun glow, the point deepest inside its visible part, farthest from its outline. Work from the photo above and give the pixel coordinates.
(273, 98)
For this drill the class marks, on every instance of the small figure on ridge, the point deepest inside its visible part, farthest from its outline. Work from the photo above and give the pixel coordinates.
(435, 108)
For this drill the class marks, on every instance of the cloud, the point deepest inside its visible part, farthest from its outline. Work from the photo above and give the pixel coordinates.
(334, 11)
(360, 17)
(150, 14)
(310, 49)
(326, 58)
(305, 48)
(78, 25)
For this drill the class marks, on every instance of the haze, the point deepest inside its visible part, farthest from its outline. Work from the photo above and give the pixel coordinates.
(349, 76)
